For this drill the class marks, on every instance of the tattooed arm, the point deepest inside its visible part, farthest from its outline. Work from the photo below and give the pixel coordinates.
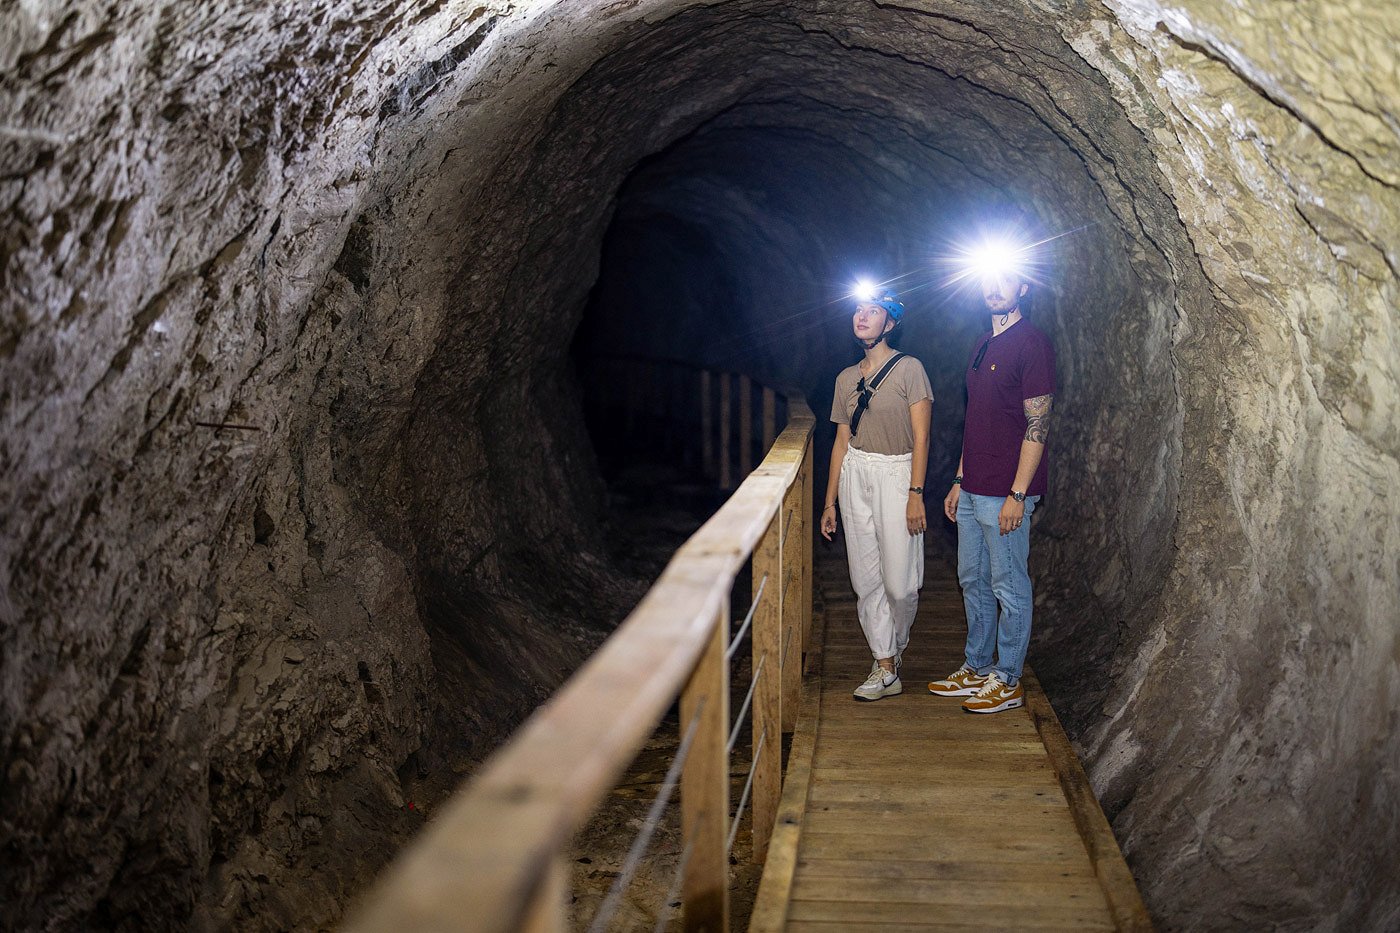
(1033, 445)
(1032, 449)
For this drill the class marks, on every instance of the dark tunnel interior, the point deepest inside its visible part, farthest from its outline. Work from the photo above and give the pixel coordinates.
(302, 498)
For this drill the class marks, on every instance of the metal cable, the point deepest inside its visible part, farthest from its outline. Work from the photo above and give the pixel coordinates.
(604, 916)
(786, 641)
(739, 720)
(748, 620)
(748, 786)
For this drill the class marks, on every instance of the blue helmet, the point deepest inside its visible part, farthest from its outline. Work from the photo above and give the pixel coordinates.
(891, 303)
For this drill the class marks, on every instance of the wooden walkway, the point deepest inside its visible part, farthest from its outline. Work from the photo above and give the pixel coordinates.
(909, 813)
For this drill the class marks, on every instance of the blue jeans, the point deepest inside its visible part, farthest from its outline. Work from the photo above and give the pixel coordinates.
(992, 571)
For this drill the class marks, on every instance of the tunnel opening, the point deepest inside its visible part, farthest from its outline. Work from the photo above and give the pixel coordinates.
(735, 246)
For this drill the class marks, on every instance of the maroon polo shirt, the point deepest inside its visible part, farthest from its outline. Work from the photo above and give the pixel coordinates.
(1019, 363)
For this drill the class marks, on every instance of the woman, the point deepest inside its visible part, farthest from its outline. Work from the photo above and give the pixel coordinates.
(882, 409)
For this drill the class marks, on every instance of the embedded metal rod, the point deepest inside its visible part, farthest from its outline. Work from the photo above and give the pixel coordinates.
(743, 711)
(748, 786)
(748, 620)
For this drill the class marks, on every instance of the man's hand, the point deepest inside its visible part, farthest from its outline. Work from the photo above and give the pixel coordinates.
(1012, 514)
(914, 518)
(829, 522)
(950, 503)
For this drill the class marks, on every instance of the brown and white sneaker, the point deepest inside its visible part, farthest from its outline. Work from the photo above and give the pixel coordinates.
(994, 697)
(964, 682)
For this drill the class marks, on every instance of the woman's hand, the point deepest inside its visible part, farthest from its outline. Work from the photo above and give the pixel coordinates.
(950, 503)
(828, 522)
(914, 518)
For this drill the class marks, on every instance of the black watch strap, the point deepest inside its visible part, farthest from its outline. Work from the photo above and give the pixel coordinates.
(1019, 496)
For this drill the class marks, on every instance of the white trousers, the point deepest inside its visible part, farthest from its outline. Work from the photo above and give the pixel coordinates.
(887, 562)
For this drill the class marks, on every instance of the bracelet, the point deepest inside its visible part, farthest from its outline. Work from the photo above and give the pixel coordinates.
(832, 506)
(957, 480)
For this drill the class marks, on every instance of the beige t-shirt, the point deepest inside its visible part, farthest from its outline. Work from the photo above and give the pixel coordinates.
(885, 428)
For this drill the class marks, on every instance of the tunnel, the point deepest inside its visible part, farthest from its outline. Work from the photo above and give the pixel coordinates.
(301, 502)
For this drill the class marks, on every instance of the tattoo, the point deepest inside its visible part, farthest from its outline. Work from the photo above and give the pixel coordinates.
(1038, 417)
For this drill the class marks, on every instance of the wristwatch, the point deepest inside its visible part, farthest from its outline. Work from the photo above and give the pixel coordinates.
(957, 480)
(1018, 496)
(918, 489)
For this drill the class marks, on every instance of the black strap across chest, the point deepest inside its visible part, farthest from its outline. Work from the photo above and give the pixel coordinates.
(867, 391)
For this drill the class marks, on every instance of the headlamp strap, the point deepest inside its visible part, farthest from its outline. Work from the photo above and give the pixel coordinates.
(867, 392)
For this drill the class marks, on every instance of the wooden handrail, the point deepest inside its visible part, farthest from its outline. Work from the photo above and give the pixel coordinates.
(491, 860)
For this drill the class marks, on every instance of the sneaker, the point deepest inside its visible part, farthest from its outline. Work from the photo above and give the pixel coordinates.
(880, 683)
(994, 697)
(964, 682)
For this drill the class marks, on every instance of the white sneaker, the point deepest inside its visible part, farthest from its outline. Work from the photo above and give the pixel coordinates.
(880, 683)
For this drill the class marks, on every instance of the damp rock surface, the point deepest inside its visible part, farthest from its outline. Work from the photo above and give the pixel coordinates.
(301, 515)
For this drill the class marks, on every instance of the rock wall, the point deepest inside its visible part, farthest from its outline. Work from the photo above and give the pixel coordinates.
(366, 233)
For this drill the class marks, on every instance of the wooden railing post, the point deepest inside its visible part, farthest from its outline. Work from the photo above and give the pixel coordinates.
(705, 787)
(770, 418)
(791, 550)
(767, 701)
(726, 424)
(805, 543)
(707, 425)
(745, 427)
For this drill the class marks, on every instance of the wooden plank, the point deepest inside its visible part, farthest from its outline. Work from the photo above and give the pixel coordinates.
(1029, 896)
(987, 916)
(935, 795)
(705, 786)
(1125, 902)
(775, 888)
(956, 867)
(1009, 848)
(767, 701)
(1045, 776)
(911, 836)
(953, 923)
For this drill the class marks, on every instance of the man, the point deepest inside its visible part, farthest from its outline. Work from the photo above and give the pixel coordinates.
(1001, 477)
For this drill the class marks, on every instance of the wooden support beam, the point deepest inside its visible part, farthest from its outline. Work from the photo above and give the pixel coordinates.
(726, 427)
(745, 426)
(1120, 890)
(791, 550)
(807, 479)
(705, 787)
(707, 425)
(770, 418)
(767, 701)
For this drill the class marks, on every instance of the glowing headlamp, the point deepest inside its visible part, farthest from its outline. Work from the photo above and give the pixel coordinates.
(993, 259)
(865, 290)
